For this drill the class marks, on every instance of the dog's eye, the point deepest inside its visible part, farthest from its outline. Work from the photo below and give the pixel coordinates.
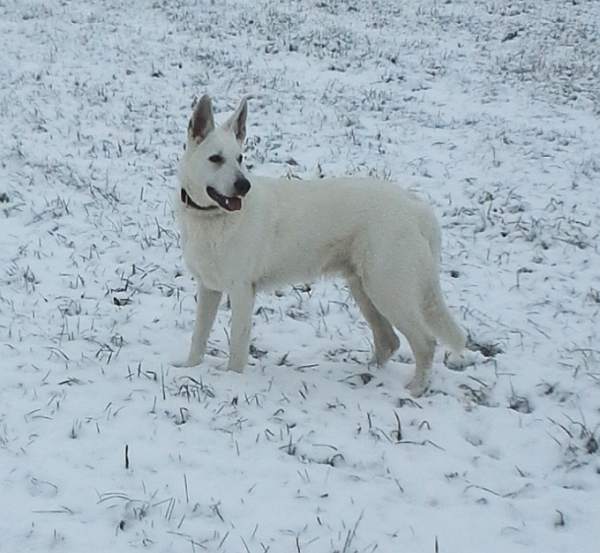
(216, 158)
(240, 159)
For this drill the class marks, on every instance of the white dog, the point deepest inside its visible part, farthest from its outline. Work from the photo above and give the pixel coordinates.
(240, 236)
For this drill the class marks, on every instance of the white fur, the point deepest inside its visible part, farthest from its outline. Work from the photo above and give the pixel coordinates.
(382, 239)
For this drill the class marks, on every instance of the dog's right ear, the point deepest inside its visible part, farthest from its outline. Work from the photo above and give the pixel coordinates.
(202, 121)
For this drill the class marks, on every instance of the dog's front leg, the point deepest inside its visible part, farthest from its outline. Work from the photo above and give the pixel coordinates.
(207, 303)
(242, 303)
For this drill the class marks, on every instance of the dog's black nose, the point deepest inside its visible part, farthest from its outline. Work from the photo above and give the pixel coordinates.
(241, 185)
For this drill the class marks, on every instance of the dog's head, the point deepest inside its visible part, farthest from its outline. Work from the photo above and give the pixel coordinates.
(211, 172)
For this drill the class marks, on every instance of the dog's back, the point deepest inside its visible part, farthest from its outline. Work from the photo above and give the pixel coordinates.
(309, 228)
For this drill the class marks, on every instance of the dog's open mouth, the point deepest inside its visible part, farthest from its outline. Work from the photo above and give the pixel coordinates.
(230, 203)
(187, 200)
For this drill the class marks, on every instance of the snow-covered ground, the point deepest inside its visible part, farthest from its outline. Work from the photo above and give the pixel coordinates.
(490, 108)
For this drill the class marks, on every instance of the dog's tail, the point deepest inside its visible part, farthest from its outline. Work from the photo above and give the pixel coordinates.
(437, 316)
(441, 323)
(436, 313)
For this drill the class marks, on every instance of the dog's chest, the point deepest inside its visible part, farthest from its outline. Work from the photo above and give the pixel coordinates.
(207, 253)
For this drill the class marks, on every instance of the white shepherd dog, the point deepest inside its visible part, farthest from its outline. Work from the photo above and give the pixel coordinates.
(242, 234)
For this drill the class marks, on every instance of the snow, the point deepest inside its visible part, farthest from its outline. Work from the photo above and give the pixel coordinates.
(311, 449)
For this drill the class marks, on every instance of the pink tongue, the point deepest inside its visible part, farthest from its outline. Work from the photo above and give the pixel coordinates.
(234, 204)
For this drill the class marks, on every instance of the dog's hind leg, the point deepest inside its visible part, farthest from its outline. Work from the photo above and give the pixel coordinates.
(207, 303)
(422, 344)
(384, 337)
(399, 301)
(242, 303)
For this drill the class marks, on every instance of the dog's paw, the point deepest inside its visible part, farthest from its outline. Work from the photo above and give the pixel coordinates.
(189, 362)
(417, 386)
(235, 368)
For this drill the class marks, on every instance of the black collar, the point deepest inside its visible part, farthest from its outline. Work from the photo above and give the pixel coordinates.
(187, 200)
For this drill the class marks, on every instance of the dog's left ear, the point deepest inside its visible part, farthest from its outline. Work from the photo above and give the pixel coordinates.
(237, 122)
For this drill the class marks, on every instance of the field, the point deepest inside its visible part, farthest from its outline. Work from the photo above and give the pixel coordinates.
(489, 109)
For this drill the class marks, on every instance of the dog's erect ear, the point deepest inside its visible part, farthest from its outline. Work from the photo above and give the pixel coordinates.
(202, 121)
(237, 122)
